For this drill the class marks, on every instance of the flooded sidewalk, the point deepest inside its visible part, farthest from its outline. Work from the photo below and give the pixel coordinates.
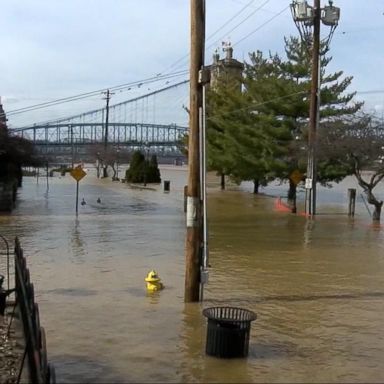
(316, 289)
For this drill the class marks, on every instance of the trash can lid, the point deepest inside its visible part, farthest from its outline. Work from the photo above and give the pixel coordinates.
(229, 314)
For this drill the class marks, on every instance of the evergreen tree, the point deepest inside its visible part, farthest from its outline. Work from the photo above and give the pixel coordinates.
(135, 172)
(142, 170)
(153, 174)
(276, 99)
(261, 133)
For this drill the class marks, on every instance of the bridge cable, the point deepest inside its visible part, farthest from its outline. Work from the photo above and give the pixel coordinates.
(92, 93)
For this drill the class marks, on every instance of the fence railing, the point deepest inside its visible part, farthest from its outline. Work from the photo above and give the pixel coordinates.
(40, 372)
(5, 263)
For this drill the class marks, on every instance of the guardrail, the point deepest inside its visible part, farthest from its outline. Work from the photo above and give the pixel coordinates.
(40, 372)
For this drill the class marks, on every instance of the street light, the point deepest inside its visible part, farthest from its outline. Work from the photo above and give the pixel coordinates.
(308, 19)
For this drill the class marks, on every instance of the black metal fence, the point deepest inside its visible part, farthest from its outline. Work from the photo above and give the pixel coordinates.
(40, 372)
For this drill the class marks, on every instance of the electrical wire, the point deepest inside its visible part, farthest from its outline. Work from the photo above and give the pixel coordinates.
(220, 28)
(261, 26)
(159, 76)
(135, 99)
(370, 92)
(241, 22)
(93, 93)
(232, 18)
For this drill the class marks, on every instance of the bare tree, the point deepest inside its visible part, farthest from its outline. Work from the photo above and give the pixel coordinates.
(111, 157)
(355, 147)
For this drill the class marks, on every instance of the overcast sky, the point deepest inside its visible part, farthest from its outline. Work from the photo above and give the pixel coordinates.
(57, 48)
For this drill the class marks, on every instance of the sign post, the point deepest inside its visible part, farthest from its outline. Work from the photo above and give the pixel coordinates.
(295, 177)
(77, 173)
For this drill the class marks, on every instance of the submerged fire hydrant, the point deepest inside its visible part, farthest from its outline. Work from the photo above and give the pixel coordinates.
(153, 281)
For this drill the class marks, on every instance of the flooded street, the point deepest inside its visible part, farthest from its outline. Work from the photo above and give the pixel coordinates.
(317, 287)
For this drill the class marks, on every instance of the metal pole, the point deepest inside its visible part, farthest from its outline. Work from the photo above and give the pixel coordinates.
(194, 222)
(47, 166)
(117, 164)
(310, 199)
(204, 263)
(7, 249)
(77, 198)
(71, 131)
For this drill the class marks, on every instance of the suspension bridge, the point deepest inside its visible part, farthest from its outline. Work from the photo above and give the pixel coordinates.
(142, 122)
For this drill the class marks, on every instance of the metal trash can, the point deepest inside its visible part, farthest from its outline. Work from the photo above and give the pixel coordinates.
(228, 331)
(167, 185)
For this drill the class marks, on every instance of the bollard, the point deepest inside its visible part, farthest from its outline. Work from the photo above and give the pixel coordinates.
(185, 198)
(167, 184)
(352, 201)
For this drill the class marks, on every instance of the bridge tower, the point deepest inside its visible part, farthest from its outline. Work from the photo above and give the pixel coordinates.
(227, 70)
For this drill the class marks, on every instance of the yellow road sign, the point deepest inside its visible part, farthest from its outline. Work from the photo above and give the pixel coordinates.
(78, 173)
(296, 176)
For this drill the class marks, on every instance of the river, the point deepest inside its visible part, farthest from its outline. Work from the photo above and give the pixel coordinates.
(316, 287)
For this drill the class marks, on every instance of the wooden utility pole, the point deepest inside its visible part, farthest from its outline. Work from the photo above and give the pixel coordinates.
(107, 98)
(194, 211)
(310, 201)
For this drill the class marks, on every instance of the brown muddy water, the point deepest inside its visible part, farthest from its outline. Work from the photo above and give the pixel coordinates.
(317, 287)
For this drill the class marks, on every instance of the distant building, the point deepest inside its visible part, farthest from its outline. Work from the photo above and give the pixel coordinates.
(227, 70)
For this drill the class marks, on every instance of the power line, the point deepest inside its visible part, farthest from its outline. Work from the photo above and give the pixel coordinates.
(232, 18)
(242, 21)
(370, 92)
(249, 34)
(159, 76)
(93, 93)
(261, 26)
(114, 105)
(221, 27)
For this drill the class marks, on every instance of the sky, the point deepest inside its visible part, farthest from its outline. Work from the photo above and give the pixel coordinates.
(51, 49)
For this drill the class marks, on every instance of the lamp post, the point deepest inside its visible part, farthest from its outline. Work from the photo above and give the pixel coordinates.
(306, 18)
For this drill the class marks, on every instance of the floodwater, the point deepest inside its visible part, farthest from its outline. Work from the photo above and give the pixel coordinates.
(317, 287)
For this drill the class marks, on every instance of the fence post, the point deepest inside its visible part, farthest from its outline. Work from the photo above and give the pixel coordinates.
(352, 201)
(185, 198)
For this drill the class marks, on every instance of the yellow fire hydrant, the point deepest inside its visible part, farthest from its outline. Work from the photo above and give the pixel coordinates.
(153, 281)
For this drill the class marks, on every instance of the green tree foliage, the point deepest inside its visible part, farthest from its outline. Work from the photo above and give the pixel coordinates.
(142, 170)
(135, 172)
(262, 132)
(16, 152)
(335, 104)
(153, 171)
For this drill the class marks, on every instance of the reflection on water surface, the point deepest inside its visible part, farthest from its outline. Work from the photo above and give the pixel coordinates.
(315, 286)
